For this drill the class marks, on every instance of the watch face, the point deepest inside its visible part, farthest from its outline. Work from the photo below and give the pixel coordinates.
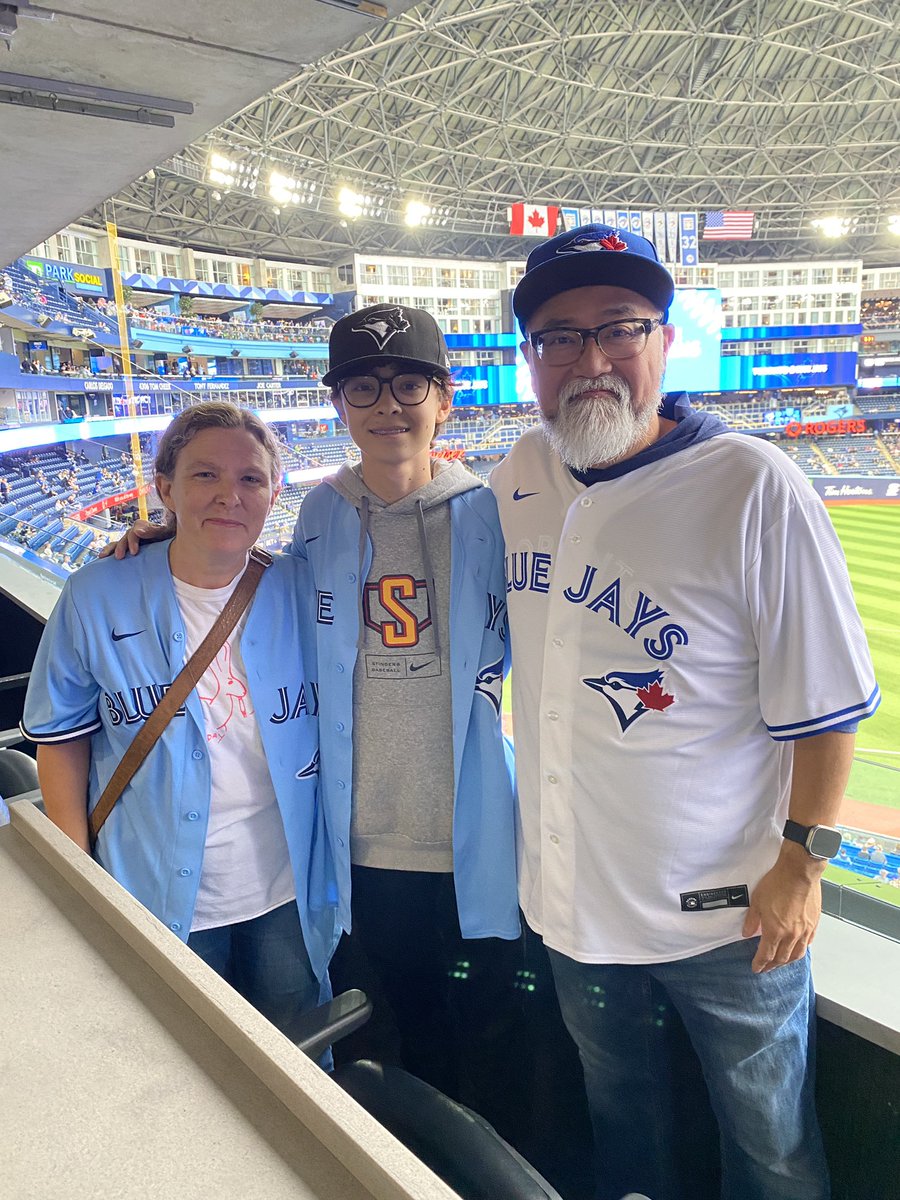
(825, 843)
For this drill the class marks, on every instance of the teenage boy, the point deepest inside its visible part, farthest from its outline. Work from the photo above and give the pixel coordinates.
(407, 556)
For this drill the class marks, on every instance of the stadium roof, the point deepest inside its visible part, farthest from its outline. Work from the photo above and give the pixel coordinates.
(93, 93)
(788, 108)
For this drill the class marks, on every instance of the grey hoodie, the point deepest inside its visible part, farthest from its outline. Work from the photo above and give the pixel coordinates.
(403, 783)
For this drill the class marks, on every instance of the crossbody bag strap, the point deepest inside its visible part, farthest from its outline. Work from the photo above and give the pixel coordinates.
(182, 686)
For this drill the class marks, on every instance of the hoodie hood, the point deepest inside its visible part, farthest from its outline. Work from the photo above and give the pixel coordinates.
(448, 479)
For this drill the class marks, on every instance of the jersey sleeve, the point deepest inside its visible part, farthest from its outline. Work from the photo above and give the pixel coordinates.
(62, 697)
(815, 671)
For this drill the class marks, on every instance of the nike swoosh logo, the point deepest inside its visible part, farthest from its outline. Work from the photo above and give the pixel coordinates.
(517, 495)
(419, 666)
(118, 637)
(314, 538)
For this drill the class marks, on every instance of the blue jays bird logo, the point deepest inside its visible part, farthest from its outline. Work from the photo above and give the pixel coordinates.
(632, 693)
(311, 768)
(490, 683)
(593, 241)
(382, 325)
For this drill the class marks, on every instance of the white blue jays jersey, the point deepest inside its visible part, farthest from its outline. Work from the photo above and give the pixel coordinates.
(113, 645)
(673, 628)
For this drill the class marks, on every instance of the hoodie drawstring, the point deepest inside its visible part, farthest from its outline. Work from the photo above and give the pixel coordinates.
(429, 576)
(361, 571)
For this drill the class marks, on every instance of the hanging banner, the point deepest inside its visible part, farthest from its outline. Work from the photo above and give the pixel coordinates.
(688, 244)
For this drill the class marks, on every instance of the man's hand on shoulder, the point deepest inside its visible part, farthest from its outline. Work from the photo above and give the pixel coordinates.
(130, 542)
(785, 908)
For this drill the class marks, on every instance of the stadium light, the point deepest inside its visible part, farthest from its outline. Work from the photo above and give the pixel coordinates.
(350, 204)
(832, 227)
(283, 189)
(230, 173)
(353, 204)
(416, 212)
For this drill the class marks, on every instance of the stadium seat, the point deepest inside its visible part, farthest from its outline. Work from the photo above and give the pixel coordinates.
(458, 1145)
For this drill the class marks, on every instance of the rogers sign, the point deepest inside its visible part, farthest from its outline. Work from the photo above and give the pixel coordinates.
(823, 428)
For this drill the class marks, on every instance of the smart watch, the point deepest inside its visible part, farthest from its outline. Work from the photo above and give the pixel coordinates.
(819, 841)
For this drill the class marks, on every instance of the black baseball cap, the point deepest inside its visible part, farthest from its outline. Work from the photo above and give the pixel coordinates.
(382, 332)
(592, 254)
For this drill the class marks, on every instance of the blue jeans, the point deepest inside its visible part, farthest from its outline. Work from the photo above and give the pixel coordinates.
(266, 961)
(753, 1036)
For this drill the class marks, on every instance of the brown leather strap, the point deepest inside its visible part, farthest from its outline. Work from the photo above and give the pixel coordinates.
(184, 683)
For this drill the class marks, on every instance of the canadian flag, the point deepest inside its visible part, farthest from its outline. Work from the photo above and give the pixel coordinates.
(532, 220)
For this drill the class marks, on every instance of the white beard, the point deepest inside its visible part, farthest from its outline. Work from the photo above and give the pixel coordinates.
(599, 431)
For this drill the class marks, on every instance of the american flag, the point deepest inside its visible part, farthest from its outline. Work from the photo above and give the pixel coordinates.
(727, 226)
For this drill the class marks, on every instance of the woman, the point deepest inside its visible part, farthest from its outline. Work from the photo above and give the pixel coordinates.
(218, 833)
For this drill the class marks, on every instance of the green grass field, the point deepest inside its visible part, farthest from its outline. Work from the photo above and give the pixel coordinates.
(870, 535)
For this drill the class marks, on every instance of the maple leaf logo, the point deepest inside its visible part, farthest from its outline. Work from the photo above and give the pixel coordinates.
(655, 698)
(535, 220)
(612, 241)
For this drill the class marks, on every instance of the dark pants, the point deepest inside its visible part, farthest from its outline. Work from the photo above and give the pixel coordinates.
(445, 1008)
(264, 959)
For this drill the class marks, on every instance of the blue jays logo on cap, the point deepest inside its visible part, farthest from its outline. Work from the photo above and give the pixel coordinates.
(382, 325)
(591, 239)
(632, 694)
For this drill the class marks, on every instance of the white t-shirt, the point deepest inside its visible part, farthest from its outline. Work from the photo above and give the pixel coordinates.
(246, 866)
(673, 629)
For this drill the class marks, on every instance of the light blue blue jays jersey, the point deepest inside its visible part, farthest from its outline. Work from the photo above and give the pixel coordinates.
(113, 645)
(484, 837)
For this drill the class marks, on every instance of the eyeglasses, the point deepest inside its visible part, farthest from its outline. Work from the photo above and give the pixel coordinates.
(617, 339)
(362, 391)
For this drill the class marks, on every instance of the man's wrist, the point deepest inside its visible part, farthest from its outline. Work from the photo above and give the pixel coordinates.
(796, 859)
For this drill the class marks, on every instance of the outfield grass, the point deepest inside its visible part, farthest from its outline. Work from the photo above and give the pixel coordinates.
(870, 536)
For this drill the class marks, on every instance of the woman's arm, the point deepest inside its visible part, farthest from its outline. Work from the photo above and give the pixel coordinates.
(63, 772)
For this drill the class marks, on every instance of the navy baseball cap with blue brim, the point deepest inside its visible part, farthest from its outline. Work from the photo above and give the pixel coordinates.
(592, 254)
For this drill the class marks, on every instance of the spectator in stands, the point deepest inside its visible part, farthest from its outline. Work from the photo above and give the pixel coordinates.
(878, 856)
(669, 581)
(4, 490)
(432, 875)
(216, 832)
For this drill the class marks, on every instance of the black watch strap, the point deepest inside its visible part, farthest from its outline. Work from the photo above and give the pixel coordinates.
(795, 832)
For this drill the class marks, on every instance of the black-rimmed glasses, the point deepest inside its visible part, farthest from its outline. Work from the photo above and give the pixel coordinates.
(362, 391)
(617, 339)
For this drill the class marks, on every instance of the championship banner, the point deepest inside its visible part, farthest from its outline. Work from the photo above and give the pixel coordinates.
(671, 255)
(688, 245)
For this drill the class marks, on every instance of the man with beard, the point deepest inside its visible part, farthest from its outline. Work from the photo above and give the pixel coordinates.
(684, 719)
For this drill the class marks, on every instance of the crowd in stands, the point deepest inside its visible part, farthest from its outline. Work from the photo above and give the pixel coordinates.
(876, 860)
(50, 300)
(222, 327)
(880, 314)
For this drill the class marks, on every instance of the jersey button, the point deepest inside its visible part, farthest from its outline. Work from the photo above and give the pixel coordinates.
(351, 578)
(184, 872)
(554, 839)
(340, 726)
(340, 668)
(575, 539)
(175, 926)
(193, 816)
(177, 637)
(340, 783)
(557, 641)
(586, 502)
(198, 754)
(552, 779)
(553, 715)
